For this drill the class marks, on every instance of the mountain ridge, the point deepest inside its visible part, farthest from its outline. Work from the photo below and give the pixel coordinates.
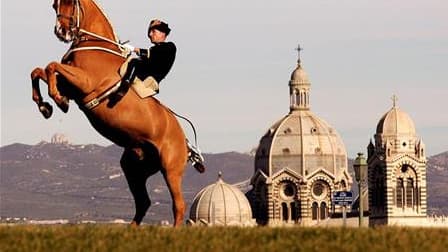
(85, 182)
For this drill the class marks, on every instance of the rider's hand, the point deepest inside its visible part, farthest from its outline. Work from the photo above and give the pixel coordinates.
(129, 47)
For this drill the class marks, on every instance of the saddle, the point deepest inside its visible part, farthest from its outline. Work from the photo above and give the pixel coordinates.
(144, 88)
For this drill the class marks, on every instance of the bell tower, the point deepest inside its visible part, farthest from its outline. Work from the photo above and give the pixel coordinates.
(397, 171)
(299, 87)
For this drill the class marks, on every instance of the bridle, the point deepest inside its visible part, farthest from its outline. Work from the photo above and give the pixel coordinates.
(74, 27)
(78, 33)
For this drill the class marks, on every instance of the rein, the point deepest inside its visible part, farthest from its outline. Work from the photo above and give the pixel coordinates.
(81, 31)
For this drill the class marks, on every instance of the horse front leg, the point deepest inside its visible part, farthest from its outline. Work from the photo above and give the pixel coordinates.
(44, 107)
(74, 76)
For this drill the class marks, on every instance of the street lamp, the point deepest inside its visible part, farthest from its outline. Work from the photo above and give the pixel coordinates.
(360, 166)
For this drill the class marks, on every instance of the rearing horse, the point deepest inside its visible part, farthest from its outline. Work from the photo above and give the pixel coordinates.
(151, 136)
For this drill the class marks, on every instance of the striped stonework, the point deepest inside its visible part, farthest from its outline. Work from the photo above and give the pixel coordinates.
(397, 158)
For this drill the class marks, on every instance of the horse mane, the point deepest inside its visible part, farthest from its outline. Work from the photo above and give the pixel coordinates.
(107, 19)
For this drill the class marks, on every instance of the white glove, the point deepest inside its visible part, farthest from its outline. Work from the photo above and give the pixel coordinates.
(129, 47)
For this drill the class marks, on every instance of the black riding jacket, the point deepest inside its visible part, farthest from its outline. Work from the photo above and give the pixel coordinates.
(156, 61)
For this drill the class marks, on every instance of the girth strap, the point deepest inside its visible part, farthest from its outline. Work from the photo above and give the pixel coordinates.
(96, 101)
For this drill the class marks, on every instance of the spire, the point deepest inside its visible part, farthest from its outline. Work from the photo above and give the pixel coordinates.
(299, 87)
(394, 100)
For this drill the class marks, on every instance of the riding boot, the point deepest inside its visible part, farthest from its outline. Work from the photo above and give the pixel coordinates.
(123, 88)
(126, 80)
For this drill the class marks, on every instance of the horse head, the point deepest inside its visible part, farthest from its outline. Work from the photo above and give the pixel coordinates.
(68, 18)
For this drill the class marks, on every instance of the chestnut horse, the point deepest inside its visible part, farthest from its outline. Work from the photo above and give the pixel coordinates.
(152, 138)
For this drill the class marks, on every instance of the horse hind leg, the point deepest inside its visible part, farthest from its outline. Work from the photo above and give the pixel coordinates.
(44, 107)
(174, 183)
(136, 178)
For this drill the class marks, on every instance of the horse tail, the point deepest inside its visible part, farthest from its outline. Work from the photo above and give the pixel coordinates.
(189, 122)
(194, 155)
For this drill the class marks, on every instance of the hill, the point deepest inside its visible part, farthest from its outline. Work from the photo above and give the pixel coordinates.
(437, 174)
(85, 182)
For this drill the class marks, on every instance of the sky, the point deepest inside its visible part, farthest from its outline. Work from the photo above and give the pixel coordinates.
(234, 62)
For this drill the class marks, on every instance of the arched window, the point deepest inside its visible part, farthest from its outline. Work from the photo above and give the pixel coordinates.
(323, 211)
(294, 207)
(410, 193)
(294, 98)
(297, 98)
(285, 214)
(299, 210)
(400, 193)
(314, 211)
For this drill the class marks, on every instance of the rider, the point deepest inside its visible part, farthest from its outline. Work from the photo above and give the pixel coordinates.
(155, 61)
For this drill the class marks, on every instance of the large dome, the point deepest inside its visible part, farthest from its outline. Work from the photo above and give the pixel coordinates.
(301, 142)
(396, 122)
(221, 204)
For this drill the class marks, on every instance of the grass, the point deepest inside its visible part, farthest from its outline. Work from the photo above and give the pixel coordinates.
(258, 239)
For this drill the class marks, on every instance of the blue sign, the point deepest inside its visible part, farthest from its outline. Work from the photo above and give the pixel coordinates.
(343, 198)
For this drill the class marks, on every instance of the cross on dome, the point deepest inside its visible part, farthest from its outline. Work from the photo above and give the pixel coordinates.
(298, 52)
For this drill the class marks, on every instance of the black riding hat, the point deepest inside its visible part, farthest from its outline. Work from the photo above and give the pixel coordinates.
(159, 25)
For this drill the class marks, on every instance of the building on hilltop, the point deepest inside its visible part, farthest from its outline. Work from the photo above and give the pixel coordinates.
(59, 138)
(299, 163)
(396, 172)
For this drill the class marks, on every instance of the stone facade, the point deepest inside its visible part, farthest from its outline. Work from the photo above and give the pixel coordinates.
(397, 172)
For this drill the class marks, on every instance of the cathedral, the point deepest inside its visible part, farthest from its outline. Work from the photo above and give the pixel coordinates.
(301, 161)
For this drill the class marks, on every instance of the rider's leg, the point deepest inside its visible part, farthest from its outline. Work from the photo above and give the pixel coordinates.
(128, 77)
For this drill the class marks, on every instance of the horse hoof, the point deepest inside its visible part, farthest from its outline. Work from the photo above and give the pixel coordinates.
(63, 105)
(46, 109)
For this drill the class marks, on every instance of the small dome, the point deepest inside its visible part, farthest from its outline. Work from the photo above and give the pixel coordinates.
(299, 76)
(396, 122)
(221, 204)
